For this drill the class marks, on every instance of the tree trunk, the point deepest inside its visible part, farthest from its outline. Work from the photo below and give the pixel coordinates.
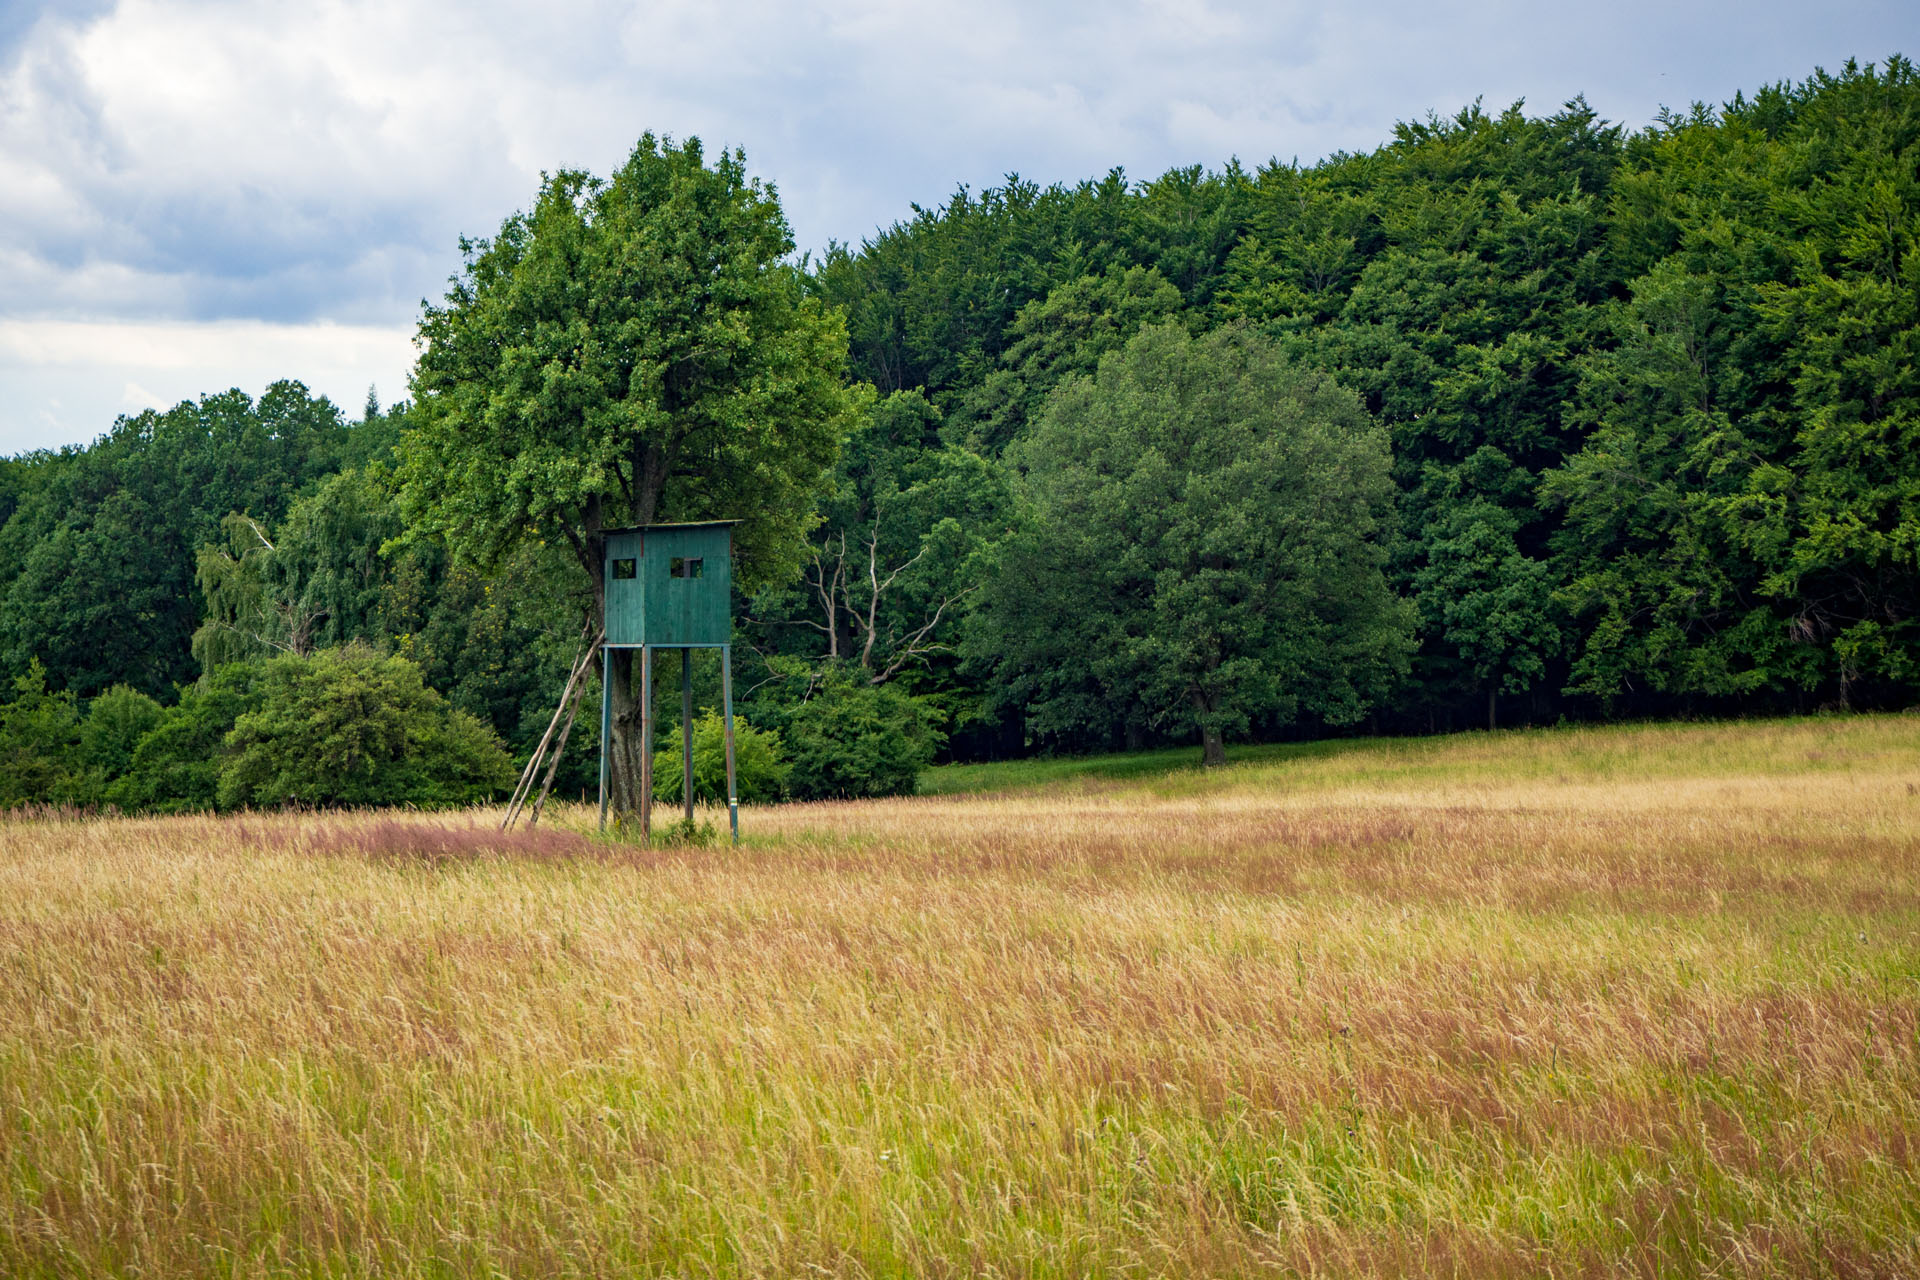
(1213, 748)
(650, 467)
(623, 745)
(1491, 695)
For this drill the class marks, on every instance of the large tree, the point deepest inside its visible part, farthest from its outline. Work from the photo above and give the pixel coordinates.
(1200, 545)
(628, 351)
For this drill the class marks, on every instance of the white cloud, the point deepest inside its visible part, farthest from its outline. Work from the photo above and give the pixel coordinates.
(69, 380)
(173, 345)
(135, 398)
(181, 162)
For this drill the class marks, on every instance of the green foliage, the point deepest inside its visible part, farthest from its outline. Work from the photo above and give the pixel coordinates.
(98, 554)
(1200, 543)
(1450, 279)
(1052, 338)
(930, 301)
(349, 727)
(493, 643)
(629, 350)
(498, 644)
(176, 764)
(1744, 516)
(317, 582)
(116, 722)
(760, 769)
(850, 739)
(40, 749)
(1487, 601)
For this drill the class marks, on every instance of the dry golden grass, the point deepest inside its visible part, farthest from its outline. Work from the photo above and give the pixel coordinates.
(1639, 1001)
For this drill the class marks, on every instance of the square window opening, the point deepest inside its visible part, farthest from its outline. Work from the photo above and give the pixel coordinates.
(685, 567)
(623, 569)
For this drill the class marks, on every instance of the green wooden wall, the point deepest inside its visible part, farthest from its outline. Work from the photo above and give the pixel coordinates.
(656, 606)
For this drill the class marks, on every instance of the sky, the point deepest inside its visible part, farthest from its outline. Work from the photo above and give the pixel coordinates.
(204, 194)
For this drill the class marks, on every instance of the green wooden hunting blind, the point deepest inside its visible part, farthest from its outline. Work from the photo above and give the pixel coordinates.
(669, 586)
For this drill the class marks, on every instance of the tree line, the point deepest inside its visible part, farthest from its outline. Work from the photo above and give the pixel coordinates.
(1511, 418)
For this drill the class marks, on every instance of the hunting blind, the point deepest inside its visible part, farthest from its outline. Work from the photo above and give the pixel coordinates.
(669, 586)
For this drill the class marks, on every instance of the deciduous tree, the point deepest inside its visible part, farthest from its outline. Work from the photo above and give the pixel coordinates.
(1201, 538)
(629, 351)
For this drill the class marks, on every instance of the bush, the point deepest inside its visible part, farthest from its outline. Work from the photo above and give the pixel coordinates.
(349, 727)
(853, 739)
(759, 771)
(116, 722)
(176, 765)
(40, 745)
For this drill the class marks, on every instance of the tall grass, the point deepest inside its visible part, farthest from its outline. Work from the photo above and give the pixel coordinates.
(1639, 1001)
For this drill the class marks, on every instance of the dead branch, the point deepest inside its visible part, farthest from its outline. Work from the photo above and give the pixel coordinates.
(913, 648)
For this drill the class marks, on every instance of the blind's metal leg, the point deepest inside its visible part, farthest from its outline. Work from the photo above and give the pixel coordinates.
(646, 742)
(726, 699)
(686, 732)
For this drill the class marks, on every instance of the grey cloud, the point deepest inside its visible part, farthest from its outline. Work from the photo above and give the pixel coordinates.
(207, 160)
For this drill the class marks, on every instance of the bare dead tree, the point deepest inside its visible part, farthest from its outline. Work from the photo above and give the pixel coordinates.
(854, 599)
(917, 647)
(829, 588)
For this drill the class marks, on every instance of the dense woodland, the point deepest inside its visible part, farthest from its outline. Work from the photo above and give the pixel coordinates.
(1514, 418)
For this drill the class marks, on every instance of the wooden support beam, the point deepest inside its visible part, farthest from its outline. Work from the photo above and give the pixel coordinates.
(606, 725)
(591, 639)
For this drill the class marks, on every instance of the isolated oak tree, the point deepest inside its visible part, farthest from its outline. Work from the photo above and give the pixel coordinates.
(1200, 543)
(632, 350)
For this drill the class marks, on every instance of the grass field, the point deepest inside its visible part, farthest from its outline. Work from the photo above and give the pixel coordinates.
(1575, 1002)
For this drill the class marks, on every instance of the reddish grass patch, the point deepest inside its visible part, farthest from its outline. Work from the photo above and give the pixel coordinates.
(387, 840)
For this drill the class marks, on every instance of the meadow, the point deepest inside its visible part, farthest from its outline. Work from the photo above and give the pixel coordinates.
(1640, 1000)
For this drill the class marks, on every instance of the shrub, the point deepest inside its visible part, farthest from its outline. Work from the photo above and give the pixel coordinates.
(854, 739)
(350, 727)
(116, 722)
(176, 765)
(759, 770)
(39, 744)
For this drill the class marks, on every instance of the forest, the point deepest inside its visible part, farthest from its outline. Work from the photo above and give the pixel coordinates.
(1514, 419)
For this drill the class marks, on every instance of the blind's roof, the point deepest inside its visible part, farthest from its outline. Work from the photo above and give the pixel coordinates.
(652, 528)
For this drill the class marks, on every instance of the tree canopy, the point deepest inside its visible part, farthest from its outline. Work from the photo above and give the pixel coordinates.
(629, 350)
(1647, 397)
(1202, 542)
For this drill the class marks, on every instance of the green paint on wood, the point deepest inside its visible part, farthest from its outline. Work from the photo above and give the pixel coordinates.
(681, 589)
